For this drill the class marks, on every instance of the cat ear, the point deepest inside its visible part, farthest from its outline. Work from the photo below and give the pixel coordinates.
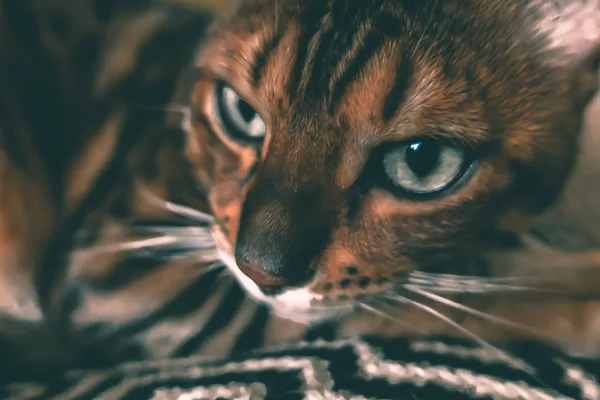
(571, 29)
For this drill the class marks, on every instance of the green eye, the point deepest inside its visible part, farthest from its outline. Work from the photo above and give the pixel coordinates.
(424, 166)
(236, 116)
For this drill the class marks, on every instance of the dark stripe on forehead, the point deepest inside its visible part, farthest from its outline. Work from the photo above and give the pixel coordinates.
(397, 94)
(322, 52)
(369, 47)
(309, 23)
(348, 32)
(264, 52)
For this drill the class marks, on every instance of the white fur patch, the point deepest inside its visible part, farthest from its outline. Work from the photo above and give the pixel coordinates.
(294, 304)
(571, 26)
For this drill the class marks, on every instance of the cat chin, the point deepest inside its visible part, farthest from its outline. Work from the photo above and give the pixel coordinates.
(295, 304)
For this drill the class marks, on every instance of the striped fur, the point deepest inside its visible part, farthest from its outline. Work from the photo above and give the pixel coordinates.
(110, 238)
(122, 269)
(306, 218)
(85, 90)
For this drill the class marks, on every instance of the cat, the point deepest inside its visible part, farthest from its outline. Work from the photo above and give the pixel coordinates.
(83, 85)
(345, 145)
(352, 163)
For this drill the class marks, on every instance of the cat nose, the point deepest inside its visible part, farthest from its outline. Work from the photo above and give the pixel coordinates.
(266, 282)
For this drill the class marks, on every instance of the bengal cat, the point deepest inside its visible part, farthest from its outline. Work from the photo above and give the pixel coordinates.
(345, 146)
(352, 163)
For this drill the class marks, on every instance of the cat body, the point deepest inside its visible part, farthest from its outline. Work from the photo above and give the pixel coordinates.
(352, 163)
(83, 84)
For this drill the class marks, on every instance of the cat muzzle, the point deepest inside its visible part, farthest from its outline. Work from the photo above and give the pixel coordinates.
(268, 283)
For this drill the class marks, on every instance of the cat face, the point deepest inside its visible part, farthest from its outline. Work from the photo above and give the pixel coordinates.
(345, 144)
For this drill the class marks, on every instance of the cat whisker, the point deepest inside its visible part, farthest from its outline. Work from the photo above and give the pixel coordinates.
(117, 232)
(366, 306)
(580, 283)
(178, 209)
(215, 265)
(179, 231)
(206, 266)
(474, 312)
(199, 237)
(504, 281)
(138, 244)
(198, 244)
(436, 277)
(318, 307)
(195, 256)
(405, 300)
(469, 285)
(168, 243)
(479, 340)
(372, 309)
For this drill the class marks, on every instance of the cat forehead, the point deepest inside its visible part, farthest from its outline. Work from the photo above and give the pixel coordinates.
(380, 55)
(319, 51)
(572, 25)
(338, 35)
(341, 15)
(329, 33)
(475, 54)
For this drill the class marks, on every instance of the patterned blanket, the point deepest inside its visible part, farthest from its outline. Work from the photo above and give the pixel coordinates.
(370, 368)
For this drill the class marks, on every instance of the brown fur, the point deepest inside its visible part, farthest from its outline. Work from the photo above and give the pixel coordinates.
(531, 134)
(84, 87)
(305, 207)
(303, 203)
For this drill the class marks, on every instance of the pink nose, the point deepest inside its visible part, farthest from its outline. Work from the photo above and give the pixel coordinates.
(264, 280)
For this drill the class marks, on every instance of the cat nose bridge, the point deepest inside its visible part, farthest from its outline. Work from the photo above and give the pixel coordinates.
(309, 156)
(282, 230)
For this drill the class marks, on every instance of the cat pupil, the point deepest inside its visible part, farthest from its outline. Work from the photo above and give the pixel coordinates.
(246, 111)
(423, 157)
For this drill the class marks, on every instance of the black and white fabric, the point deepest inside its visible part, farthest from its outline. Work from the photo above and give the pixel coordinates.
(369, 368)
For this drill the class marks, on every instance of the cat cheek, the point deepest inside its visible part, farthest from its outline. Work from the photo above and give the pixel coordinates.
(346, 269)
(226, 208)
(226, 192)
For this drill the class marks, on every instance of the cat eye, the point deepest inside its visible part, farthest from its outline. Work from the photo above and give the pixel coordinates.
(424, 166)
(236, 116)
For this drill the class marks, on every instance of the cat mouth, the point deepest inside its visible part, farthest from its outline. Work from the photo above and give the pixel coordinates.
(300, 304)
